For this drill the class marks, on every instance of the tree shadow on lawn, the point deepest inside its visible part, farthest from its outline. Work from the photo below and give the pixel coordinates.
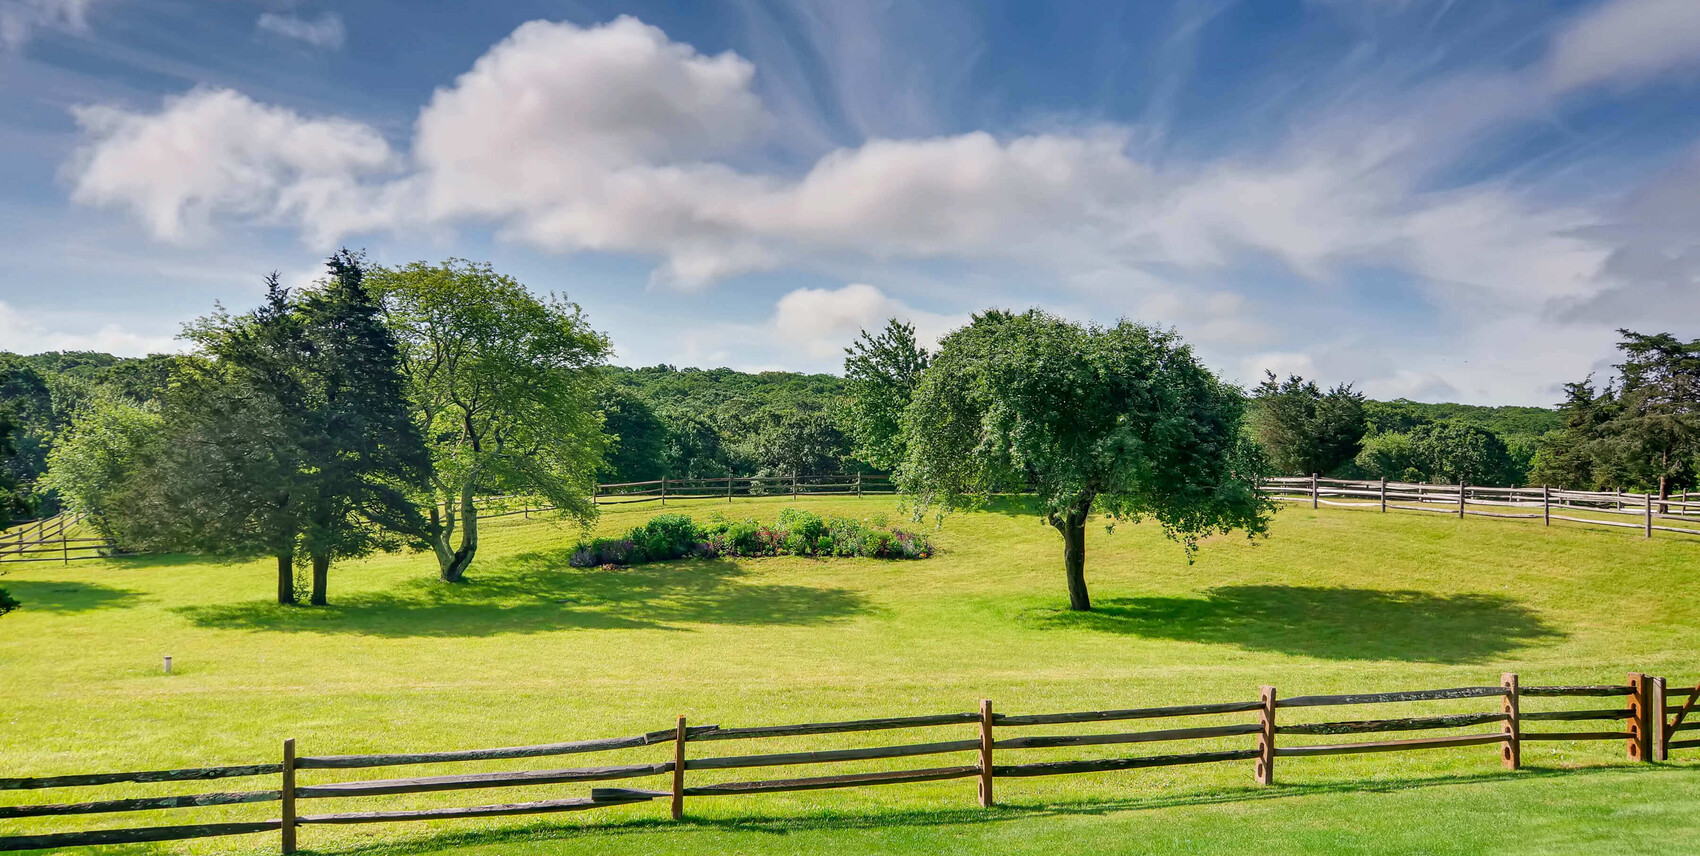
(1003, 812)
(541, 592)
(67, 596)
(1325, 622)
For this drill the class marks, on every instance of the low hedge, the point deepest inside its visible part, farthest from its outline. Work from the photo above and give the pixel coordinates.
(795, 533)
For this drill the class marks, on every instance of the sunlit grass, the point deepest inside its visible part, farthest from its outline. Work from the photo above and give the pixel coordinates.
(532, 650)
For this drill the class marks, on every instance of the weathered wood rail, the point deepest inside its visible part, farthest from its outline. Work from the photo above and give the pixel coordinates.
(1645, 512)
(1648, 719)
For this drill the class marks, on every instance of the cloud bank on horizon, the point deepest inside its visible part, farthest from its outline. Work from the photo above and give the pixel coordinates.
(1411, 227)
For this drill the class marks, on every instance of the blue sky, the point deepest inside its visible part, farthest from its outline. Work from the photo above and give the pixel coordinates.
(1441, 199)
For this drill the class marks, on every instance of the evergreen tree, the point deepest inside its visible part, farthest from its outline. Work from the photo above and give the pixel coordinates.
(1304, 429)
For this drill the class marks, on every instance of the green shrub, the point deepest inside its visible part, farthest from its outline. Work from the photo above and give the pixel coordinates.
(796, 533)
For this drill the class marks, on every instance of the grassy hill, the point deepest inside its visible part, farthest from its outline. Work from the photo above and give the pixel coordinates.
(533, 651)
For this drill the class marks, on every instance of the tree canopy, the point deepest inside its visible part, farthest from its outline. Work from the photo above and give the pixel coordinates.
(881, 372)
(1304, 429)
(504, 387)
(1121, 419)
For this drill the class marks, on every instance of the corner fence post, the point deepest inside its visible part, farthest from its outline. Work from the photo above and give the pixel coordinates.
(985, 753)
(1511, 751)
(1266, 737)
(288, 794)
(679, 770)
(1637, 718)
(1313, 490)
(1659, 736)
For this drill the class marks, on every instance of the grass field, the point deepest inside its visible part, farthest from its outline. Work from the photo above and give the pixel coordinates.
(531, 650)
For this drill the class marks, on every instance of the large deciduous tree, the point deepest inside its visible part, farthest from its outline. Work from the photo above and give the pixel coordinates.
(1122, 420)
(504, 388)
(882, 372)
(1305, 429)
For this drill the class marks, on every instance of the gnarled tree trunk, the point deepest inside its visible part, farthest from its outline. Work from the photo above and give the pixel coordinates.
(453, 561)
(1072, 525)
(286, 579)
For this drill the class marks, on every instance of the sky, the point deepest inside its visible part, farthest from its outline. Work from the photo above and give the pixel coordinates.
(1446, 200)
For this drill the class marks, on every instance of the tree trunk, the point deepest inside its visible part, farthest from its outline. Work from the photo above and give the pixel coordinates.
(286, 579)
(1072, 525)
(321, 577)
(452, 561)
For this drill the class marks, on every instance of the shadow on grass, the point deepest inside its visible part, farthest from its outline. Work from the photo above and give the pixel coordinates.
(64, 596)
(1326, 623)
(540, 592)
(1004, 812)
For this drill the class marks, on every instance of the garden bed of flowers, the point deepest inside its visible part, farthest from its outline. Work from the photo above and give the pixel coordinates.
(795, 533)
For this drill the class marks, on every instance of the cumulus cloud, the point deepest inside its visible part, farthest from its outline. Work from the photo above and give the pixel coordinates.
(27, 333)
(617, 138)
(216, 152)
(325, 31)
(21, 19)
(824, 321)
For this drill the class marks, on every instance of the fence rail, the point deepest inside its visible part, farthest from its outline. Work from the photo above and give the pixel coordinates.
(1652, 715)
(1644, 511)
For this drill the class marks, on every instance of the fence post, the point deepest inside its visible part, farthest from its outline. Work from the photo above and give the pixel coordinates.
(793, 485)
(663, 491)
(728, 486)
(1649, 499)
(64, 542)
(1266, 737)
(679, 770)
(1313, 490)
(1619, 493)
(1383, 494)
(288, 794)
(858, 485)
(1460, 499)
(985, 753)
(1546, 505)
(1637, 719)
(1511, 751)
(1661, 752)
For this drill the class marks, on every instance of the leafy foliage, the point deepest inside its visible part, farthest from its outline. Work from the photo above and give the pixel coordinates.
(1305, 430)
(503, 386)
(91, 462)
(1123, 418)
(796, 533)
(882, 372)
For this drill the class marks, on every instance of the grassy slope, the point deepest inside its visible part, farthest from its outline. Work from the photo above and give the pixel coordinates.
(533, 651)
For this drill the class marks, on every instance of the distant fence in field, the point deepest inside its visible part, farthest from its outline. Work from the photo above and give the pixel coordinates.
(1648, 512)
(1650, 719)
(729, 486)
(50, 539)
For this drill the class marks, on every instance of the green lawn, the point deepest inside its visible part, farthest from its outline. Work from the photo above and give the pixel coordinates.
(531, 650)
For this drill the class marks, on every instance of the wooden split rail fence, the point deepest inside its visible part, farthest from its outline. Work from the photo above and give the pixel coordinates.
(1649, 716)
(727, 487)
(1645, 512)
(50, 539)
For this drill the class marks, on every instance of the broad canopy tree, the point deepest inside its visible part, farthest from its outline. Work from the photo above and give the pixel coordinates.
(503, 387)
(1305, 429)
(1121, 420)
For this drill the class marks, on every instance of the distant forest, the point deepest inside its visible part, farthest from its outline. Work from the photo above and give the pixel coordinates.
(674, 422)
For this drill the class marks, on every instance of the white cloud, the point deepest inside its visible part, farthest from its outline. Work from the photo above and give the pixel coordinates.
(1625, 42)
(21, 19)
(824, 321)
(215, 152)
(24, 333)
(325, 31)
(616, 138)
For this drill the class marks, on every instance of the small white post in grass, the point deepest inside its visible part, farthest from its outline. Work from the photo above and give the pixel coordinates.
(168, 664)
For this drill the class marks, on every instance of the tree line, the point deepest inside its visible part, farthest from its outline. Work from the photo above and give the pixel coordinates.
(1639, 431)
(369, 411)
